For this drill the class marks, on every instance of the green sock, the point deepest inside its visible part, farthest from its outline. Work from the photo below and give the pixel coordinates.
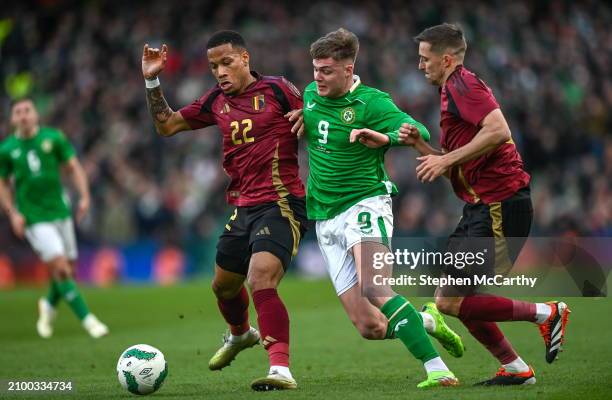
(70, 293)
(54, 296)
(406, 324)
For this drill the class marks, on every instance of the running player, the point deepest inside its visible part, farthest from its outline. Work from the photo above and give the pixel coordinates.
(349, 195)
(33, 157)
(260, 156)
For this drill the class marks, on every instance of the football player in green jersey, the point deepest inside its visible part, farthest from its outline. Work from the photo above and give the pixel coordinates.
(349, 196)
(33, 157)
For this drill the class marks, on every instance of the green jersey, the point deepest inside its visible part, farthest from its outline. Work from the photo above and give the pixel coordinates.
(35, 165)
(344, 173)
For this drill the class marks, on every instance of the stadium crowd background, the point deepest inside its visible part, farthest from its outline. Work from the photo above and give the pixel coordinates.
(548, 63)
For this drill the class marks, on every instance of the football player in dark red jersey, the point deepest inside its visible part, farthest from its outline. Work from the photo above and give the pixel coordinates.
(480, 158)
(486, 171)
(260, 156)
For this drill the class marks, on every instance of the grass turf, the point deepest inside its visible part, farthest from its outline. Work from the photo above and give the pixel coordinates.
(329, 358)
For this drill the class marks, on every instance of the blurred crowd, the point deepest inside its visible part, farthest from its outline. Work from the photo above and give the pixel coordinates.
(548, 63)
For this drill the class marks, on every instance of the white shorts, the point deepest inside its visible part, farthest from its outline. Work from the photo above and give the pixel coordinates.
(53, 239)
(371, 219)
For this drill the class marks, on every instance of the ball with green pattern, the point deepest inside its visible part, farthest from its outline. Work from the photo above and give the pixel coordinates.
(142, 369)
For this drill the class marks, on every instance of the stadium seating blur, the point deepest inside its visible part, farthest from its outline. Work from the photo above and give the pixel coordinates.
(548, 63)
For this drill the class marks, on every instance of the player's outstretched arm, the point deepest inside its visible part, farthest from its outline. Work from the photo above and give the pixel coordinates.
(6, 202)
(493, 133)
(167, 122)
(369, 138)
(79, 179)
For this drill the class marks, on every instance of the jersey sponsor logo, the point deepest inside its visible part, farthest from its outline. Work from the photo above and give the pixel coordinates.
(47, 146)
(259, 102)
(310, 106)
(348, 115)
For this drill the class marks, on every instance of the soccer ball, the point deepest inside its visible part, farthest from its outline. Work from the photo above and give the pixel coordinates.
(142, 369)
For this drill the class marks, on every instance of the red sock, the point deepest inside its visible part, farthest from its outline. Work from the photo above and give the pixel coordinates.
(491, 337)
(236, 312)
(494, 308)
(273, 323)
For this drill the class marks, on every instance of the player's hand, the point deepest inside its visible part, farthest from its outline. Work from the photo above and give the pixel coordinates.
(18, 224)
(82, 208)
(369, 138)
(153, 61)
(297, 117)
(431, 167)
(408, 135)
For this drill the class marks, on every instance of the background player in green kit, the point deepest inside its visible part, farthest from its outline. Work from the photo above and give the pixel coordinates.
(33, 157)
(349, 195)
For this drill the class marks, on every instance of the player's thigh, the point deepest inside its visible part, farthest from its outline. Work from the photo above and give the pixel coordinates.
(233, 250)
(46, 241)
(278, 228)
(68, 236)
(516, 220)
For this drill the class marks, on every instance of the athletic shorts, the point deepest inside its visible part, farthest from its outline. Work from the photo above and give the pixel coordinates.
(53, 239)
(371, 218)
(500, 229)
(276, 227)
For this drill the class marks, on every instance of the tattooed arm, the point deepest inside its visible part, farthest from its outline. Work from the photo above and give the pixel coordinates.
(167, 122)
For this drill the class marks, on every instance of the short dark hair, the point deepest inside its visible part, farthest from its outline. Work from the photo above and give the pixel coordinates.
(444, 37)
(226, 37)
(21, 99)
(340, 44)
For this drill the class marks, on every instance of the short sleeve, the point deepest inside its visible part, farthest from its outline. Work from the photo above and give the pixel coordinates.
(65, 150)
(293, 94)
(199, 113)
(474, 99)
(5, 164)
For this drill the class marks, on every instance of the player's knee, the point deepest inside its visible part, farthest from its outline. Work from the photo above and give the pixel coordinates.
(447, 305)
(60, 268)
(261, 279)
(264, 273)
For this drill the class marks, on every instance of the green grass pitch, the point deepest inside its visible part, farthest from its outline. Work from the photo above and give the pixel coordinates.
(329, 358)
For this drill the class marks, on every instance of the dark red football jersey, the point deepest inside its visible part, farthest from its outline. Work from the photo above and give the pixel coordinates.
(260, 154)
(465, 102)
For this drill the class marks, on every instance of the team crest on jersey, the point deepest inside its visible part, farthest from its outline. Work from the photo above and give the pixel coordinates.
(16, 153)
(259, 102)
(348, 115)
(47, 146)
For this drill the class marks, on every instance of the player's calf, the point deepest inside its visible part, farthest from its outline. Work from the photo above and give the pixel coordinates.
(371, 328)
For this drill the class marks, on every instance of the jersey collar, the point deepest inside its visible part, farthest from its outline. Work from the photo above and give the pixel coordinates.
(356, 82)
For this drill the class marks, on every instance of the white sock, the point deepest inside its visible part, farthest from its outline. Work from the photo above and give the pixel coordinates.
(543, 311)
(517, 365)
(428, 322)
(435, 364)
(282, 370)
(239, 338)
